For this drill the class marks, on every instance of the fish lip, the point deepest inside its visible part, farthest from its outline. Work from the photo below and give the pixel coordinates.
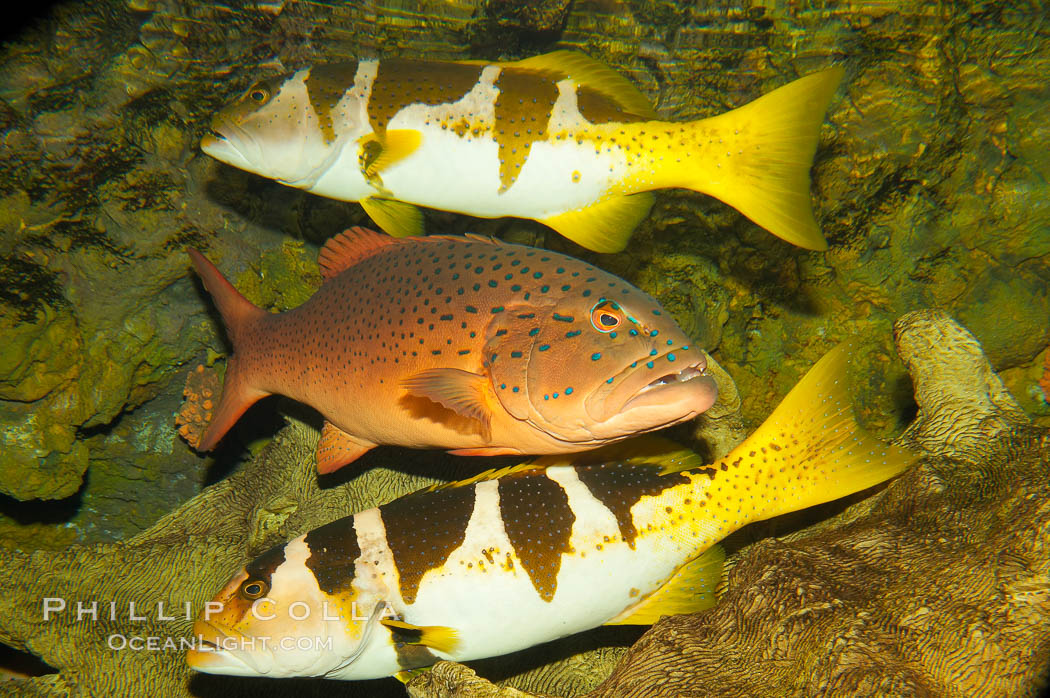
(644, 396)
(204, 629)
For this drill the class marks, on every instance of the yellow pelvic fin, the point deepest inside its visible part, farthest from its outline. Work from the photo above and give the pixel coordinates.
(605, 226)
(395, 217)
(377, 154)
(438, 637)
(757, 158)
(407, 675)
(691, 589)
(811, 449)
(594, 74)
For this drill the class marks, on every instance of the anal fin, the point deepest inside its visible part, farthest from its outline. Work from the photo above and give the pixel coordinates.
(395, 217)
(337, 448)
(438, 637)
(605, 226)
(689, 590)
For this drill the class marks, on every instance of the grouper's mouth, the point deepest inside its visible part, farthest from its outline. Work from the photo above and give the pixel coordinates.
(692, 384)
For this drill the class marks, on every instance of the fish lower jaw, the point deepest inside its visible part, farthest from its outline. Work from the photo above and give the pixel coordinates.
(694, 386)
(686, 374)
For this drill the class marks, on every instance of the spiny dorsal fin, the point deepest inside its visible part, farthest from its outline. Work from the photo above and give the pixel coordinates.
(641, 450)
(594, 74)
(350, 247)
(493, 474)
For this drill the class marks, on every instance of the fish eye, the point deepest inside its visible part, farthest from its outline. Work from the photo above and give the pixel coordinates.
(253, 589)
(259, 94)
(606, 316)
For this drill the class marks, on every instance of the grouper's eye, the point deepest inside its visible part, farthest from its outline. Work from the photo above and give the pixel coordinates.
(606, 316)
(259, 94)
(253, 589)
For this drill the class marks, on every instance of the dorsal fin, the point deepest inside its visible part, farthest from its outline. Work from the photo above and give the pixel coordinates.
(594, 74)
(350, 247)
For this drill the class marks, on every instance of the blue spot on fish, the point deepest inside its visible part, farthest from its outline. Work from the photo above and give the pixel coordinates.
(544, 347)
(515, 355)
(515, 388)
(534, 331)
(634, 332)
(568, 391)
(670, 357)
(555, 396)
(471, 309)
(572, 334)
(595, 356)
(544, 288)
(563, 318)
(612, 335)
(515, 288)
(648, 364)
(654, 333)
(538, 275)
(652, 352)
(497, 309)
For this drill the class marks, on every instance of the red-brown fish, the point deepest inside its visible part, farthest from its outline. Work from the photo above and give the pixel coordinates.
(462, 343)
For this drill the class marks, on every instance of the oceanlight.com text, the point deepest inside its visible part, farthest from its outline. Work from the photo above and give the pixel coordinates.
(263, 643)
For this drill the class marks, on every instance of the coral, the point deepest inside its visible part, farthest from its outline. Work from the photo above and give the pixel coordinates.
(202, 390)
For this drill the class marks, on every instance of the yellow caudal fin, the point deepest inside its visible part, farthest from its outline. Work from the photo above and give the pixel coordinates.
(689, 590)
(811, 449)
(394, 217)
(605, 226)
(757, 158)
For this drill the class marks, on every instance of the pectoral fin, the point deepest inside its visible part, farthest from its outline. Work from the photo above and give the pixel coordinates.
(605, 226)
(377, 154)
(689, 590)
(438, 637)
(395, 217)
(337, 448)
(461, 391)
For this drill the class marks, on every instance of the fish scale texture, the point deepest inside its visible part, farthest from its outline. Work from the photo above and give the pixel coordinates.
(937, 586)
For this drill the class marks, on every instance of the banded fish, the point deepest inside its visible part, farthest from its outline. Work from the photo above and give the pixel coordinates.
(531, 553)
(461, 343)
(559, 138)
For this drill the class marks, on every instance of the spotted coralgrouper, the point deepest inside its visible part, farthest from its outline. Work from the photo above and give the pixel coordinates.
(531, 553)
(558, 138)
(463, 343)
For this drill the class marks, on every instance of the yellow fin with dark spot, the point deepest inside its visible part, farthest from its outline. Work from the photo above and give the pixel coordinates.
(586, 71)
(438, 637)
(395, 217)
(605, 226)
(693, 588)
(811, 450)
(393, 147)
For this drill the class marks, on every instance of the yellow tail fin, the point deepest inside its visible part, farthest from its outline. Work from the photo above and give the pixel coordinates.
(757, 158)
(811, 449)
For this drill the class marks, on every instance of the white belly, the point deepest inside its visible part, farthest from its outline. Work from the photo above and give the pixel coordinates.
(455, 174)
